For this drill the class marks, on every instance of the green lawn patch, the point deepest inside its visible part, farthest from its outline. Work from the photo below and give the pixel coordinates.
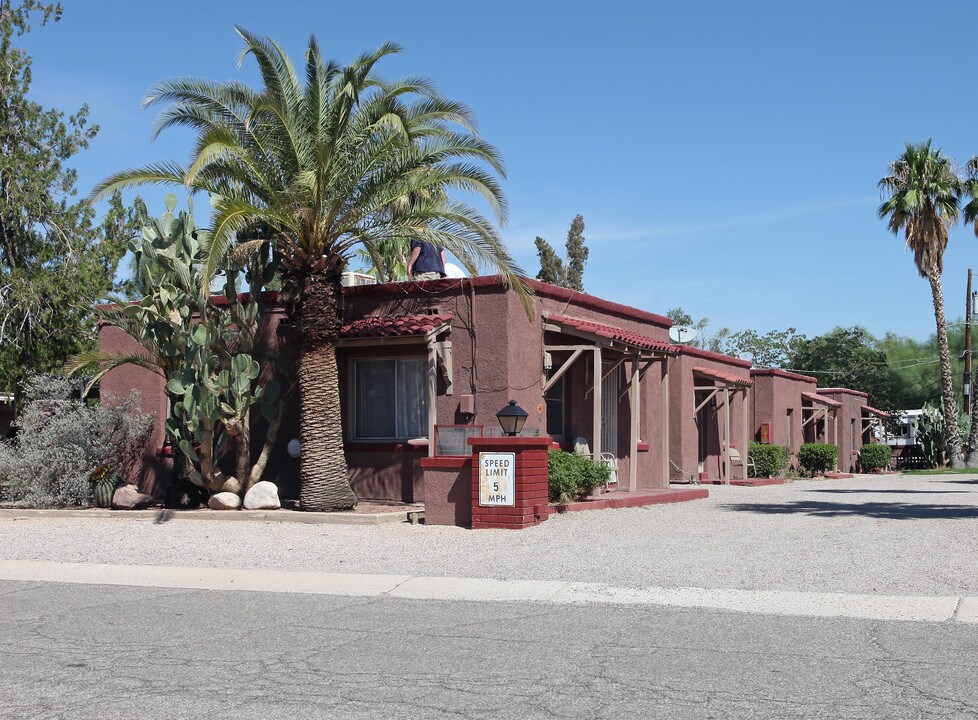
(942, 471)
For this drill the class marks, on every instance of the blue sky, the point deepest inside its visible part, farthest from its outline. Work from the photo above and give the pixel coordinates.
(724, 155)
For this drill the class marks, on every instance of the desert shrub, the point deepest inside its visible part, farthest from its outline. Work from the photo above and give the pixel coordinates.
(817, 457)
(63, 445)
(875, 456)
(570, 475)
(769, 460)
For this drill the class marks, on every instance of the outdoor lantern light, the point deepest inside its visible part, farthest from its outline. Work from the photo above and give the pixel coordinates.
(511, 418)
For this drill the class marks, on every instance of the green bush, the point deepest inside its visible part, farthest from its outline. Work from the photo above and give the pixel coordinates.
(817, 457)
(572, 475)
(769, 460)
(875, 456)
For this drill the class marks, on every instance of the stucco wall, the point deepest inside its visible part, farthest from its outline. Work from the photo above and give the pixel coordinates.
(153, 475)
(849, 438)
(683, 431)
(497, 356)
(773, 394)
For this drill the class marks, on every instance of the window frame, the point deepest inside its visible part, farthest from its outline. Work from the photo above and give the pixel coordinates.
(352, 363)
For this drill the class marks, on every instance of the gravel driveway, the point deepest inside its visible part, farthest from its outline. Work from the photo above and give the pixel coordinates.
(871, 534)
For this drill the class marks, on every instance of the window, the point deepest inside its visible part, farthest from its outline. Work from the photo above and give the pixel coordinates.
(390, 399)
(555, 409)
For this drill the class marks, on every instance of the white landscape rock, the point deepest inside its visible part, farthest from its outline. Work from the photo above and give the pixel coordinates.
(262, 496)
(224, 501)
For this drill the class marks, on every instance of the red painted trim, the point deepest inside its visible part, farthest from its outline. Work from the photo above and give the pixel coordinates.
(496, 281)
(445, 462)
(758, 482)
(519, 442)
(384, 447)
(783, 373)
(701, 353)
(643, 447)
(845, 391)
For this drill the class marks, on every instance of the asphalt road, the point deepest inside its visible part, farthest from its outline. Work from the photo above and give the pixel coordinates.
(106, 652)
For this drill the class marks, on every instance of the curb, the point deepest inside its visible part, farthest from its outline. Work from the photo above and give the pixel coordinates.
(161, 516)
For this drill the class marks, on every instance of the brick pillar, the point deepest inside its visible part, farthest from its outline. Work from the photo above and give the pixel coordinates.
(531, 505)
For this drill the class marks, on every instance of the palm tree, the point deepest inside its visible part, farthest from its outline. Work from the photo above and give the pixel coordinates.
(316, 168)
(924, 201)
(971, 216)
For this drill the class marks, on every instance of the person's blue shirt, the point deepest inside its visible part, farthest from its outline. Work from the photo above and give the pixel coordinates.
(429, 259)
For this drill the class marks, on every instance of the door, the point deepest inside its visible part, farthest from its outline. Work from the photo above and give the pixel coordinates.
(610, 387)
(702, 430)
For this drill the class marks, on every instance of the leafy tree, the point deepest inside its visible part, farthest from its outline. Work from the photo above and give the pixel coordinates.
(316, 166)
(568, 273)
(551, 267)
(852, 358)
(775, 349)
(922, 199)
(916, 362)
(55, 261)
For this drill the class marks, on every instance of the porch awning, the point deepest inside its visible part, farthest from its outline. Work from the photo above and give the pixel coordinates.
(394, 326)
(821, 399)
(874, 411)
(723, 376)
(586, 328)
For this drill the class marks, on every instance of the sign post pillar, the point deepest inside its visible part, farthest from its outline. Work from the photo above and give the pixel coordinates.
(509, 481)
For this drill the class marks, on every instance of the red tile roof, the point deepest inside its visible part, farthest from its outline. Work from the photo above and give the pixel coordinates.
(815, 397)
(394, 326)
(708, 355)
(874, 411)
(723, 376)
(611, 332)
(775, 372)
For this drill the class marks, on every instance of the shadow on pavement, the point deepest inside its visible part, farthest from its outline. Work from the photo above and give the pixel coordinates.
(885, 511)
(890, 490)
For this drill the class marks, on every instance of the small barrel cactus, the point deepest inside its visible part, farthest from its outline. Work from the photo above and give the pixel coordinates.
(104, 483)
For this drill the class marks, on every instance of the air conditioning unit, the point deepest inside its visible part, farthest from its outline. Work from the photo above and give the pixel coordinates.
(352, 279)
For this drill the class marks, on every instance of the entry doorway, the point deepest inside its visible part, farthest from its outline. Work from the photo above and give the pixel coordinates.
(610, 387)
(702, 429)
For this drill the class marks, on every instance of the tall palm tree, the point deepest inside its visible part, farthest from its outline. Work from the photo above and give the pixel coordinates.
(970, 186)
(317, 167)
(922, 197)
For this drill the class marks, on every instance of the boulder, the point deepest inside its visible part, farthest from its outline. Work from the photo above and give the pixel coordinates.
(128, 497)
(224, 501)
(231, 485)
(262, 496)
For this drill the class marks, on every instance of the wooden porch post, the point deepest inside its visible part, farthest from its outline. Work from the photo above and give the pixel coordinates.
(725, 450)
(745, 450)
(596, 413)
(432, 397)
(666, 422)
(635, 425)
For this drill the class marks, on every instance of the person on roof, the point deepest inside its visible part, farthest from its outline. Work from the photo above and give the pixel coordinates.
(427, 261)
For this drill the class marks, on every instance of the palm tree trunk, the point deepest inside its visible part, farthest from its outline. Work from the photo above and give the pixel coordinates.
(324, 485)
(952, 438)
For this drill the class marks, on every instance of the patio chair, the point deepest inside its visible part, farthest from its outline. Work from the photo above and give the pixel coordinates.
(581, 447)
(736, 459)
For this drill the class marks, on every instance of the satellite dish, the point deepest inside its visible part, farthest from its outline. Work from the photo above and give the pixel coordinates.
(681, 334)
(454, 271)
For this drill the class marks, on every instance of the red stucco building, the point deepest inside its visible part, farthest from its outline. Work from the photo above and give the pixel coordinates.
(424, 365)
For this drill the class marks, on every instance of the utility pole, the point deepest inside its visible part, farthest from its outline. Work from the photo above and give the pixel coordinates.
(967, 350)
